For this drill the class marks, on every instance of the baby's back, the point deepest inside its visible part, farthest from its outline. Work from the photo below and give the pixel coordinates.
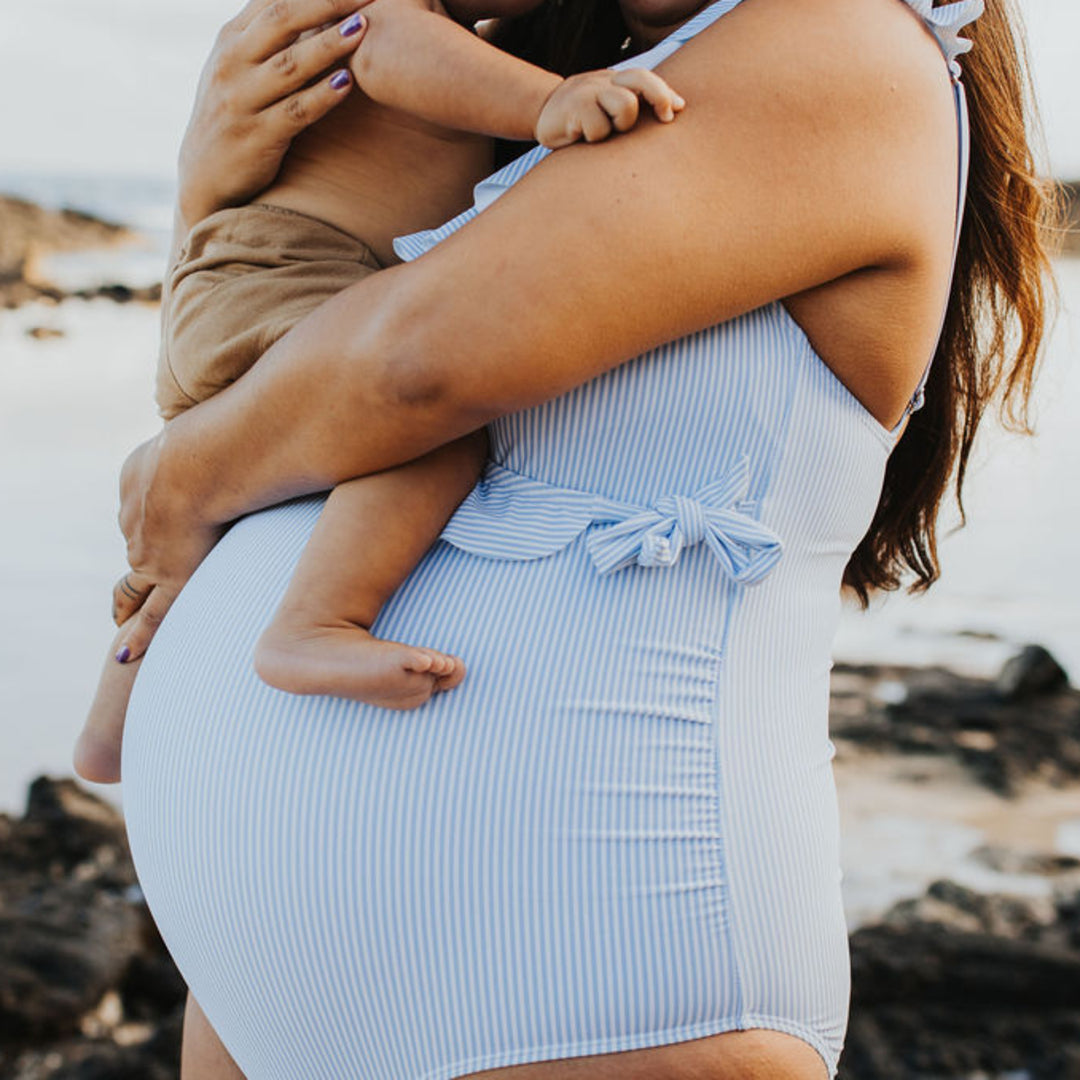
(377, 172)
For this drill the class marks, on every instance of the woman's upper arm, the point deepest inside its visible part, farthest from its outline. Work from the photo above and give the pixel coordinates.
(796, 161)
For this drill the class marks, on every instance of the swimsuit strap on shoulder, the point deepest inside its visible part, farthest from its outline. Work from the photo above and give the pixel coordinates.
(945, 23)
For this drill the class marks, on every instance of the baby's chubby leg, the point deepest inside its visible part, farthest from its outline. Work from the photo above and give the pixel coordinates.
(96, 756)
(371, 534)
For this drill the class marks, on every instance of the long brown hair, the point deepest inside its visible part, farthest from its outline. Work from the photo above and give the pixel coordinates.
(565, 36)
(998, 312)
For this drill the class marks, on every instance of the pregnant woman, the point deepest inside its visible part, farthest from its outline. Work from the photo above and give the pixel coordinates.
(701, 352)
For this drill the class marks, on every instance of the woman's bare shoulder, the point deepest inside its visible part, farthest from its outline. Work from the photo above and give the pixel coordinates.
(850, 100)
(863, 77)
(882, 43)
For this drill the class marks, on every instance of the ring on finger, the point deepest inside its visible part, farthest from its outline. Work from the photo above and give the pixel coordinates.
(130, 591)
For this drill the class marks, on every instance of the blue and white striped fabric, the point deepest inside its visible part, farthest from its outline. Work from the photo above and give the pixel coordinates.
(621, 830)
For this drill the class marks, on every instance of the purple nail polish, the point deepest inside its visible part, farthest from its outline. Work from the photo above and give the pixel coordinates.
(352, 25)
(123, 656)
(339, 80)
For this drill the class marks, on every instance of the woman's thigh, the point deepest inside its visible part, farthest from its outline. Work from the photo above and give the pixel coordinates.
(755, 1054)
(203, 1055)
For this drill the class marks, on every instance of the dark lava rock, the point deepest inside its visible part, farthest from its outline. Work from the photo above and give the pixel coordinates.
(121, 294)
(957, 984)
(61, 949)
(1025, 724)
(1033, 672)
(87, 988)
(956, 907)
(151, 986)
(64, 825)
(156, 1057)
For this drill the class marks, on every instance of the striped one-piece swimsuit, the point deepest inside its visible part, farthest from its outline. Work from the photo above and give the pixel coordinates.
(621, 830)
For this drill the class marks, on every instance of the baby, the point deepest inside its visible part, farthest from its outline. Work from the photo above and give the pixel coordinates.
(401, 155)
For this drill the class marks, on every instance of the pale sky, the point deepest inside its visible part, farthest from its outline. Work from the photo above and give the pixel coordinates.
(105, 86)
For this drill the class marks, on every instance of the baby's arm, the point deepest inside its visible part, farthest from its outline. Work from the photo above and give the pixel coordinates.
(371, 534)
(415, 58)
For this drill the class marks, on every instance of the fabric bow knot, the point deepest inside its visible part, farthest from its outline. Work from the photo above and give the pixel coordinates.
(716, 515)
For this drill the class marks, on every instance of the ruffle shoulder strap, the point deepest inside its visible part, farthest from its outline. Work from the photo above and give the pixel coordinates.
(945, 23)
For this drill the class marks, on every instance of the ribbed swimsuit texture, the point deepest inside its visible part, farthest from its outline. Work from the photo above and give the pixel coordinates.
(621, 830)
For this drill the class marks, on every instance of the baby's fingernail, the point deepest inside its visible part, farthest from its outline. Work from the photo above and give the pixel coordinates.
(124, 655)
(352, 25)
(680, 102)
(339, 80)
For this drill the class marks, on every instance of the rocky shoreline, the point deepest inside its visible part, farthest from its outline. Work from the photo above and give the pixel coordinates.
(87, 989)
(962, 985)
(1023, 725)
(951, 984)
(29, 233)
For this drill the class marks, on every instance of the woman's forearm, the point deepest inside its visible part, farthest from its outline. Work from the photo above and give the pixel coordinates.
(321, 406)
(411, 358)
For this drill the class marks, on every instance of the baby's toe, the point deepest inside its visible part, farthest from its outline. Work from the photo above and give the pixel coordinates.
(420, 660)
(453, 677)
(441, 664)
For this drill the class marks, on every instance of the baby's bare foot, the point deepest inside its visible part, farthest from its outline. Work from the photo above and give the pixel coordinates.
(347, 661)
(96, 756)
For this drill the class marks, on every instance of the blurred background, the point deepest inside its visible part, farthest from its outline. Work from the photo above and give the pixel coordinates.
(932, 784)
(96, 95)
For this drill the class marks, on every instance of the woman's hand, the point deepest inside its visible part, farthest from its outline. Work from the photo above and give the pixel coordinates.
(258, 91)
(165, 545)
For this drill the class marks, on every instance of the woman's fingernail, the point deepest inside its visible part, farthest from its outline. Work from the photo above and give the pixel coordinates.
(352, 25)
(339, 80)
(123, 656)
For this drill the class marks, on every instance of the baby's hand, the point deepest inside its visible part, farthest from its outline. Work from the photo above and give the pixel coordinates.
(590, 105)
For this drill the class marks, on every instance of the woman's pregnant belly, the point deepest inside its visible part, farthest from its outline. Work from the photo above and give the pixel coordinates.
(353, 891)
